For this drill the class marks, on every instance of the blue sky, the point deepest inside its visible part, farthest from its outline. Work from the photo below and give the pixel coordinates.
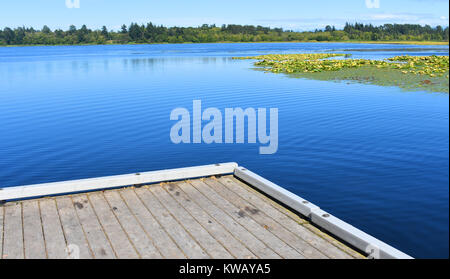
(289, 14)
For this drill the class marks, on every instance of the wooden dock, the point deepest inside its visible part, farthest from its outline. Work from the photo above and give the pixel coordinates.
(216, 216)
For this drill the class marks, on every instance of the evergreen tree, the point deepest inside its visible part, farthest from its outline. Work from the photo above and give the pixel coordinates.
(104, 32)
(46, 29)
(124, 29)
(211, 33)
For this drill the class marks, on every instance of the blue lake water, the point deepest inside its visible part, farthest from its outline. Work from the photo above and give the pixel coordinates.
(376, 157)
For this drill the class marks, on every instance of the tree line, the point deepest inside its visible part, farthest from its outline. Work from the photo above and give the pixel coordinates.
(150, 33)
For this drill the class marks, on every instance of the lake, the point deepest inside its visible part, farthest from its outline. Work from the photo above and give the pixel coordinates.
(376, 157)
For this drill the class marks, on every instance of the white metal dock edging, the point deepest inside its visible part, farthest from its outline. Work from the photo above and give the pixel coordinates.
(359, 239)
(107, 182)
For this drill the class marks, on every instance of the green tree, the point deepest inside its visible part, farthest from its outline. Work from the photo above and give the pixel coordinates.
(104, 32)
(124, 29)
(8, 35)
(135, 32)
(211, 33)
(72, 30)
(46, 30)
(19, 35)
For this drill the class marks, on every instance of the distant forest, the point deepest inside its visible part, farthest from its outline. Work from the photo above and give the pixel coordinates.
(151, 33)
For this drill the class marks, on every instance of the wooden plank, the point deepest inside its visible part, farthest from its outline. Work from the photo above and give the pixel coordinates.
(217, 218)
(83, 185)
(77, 244)
(13, 234)
(189, 246)
(321, 218)
(256, 246)
(341, 246)
(236, 248)
(247, 221)
(296, 218)
(144, 245)
(53, 234)
(263, 203)
(2, 214)
(288, 198)
(33, 236)
(112, 228)
(209, 243)
(153, 229)
(95, 235)
(267, 222)
(335, 242)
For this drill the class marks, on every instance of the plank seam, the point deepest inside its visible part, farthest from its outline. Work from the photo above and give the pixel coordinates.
(232, 235)
(286, 212)
(296, 236)
(82, 228)
(276, 236)
(121, 226)
(193, 217)
(321, 218)
(265, 244)
(204, 250)
(159, 223)
(62, 227)
(101, 226)
(42, 228)
(306, 224)
(336, 243)
(142, 227)
(3, 231)
(23, 230)
(250, 188)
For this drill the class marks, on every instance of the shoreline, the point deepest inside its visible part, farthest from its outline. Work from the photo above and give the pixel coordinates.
(431, 43)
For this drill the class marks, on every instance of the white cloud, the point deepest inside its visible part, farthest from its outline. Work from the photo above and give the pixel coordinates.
(412, 18)
(305, 24)
(393, 17)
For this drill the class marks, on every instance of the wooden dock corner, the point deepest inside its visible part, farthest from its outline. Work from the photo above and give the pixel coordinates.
(212, 211)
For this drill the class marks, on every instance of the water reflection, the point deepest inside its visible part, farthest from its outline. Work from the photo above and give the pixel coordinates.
(138, 64)
(88, 111)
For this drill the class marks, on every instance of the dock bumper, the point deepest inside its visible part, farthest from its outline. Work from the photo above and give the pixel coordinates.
(373, 247)
(108, 182)
(364, 242)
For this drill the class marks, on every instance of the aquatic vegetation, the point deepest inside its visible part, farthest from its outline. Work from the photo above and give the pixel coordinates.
(382, 77)
(423, 65)
(405, 71)
(290, 63)
(290, 57)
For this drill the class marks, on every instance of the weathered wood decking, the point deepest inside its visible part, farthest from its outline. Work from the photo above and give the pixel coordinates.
(215, 217)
